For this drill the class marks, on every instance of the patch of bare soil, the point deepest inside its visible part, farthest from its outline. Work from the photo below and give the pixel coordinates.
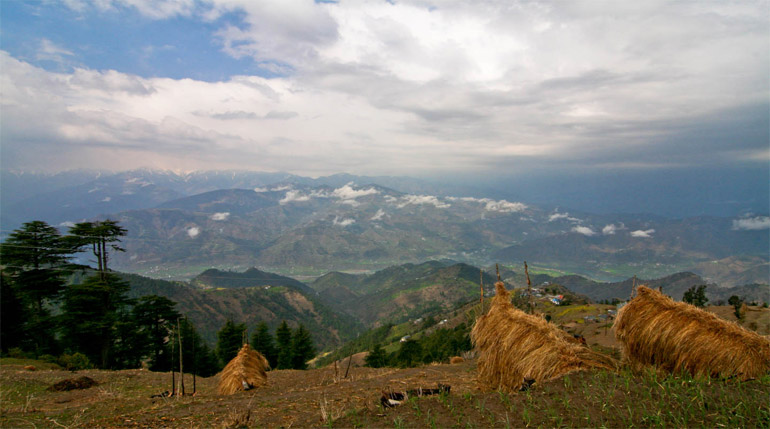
(73, 384)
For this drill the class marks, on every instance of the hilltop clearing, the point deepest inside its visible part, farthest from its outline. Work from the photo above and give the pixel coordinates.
(315, 398)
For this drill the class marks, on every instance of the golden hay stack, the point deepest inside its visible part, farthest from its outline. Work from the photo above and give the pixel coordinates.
(514, 346)
(655, 330)
(456, 359)
(246, 370)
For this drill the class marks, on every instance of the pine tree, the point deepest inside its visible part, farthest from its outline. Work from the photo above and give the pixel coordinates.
(283, 341)
(198, 357)
(737, 303)
(153, 317)
(90, 313)
(410, 354)
(97, 236)
(376, 358)
(302, 349)
(696, 295)
(229, 341)
(12, 316)
(263, 342)
(34, 259)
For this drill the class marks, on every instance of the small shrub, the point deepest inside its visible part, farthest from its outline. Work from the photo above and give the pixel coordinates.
(75, 361)
(49, 359)
(18, 353)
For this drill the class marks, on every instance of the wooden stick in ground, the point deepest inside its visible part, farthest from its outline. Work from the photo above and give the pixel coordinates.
(195, 363)
(481, 283)
(529, 289)
(181, 367)
(173, 373)
(347, 370)
(633, 289)
(497, 267)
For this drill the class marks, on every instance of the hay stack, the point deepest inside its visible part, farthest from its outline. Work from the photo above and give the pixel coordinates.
(655, 330)
(516, 349)
(247, 370)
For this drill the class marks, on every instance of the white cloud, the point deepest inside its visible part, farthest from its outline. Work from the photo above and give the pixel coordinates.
(220, 216)
(294, 197)
(379, 215)
(584, 230)
(752, 223)
(558, 216)
(642, 233)
(422, 199)
(611, 229)
(493, 205)
(49, 51)
(384, 86)
(505, 206)
(193, 232)
(154, 9)
(260, 190)
(347, 192)
(106, 199)
(343, 222)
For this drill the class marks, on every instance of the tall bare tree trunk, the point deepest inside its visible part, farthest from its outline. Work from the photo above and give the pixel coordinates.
(181, 363)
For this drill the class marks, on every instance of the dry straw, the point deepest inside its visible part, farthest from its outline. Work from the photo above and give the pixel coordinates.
(655, 330)
(516, 349)
(247, 370)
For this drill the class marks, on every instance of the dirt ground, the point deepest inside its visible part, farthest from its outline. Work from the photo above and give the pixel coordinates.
(290, 399)
(314, 398)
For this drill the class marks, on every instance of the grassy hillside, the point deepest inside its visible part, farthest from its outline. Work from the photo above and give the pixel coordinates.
(213, 279)
(402, 292)
(210, 309)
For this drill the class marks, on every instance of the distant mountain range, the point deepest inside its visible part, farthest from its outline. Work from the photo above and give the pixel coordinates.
(182, 224)
(338, 306)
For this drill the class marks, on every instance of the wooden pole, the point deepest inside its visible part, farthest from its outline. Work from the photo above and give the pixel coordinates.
(173, 370)
(497, 267)
(348, 369)
(633, 289)
(481, 283)
(529, 289)
(181, 360)
(195, 363)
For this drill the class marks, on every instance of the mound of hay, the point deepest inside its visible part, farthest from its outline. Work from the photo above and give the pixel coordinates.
(73, 384)
(246, 371)
(516, 349)
(456, 359)
(655, 330)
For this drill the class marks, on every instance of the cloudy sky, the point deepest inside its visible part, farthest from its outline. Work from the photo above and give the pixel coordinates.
(386, 87)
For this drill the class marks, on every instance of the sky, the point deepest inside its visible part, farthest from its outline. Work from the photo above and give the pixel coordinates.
(459, 89)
